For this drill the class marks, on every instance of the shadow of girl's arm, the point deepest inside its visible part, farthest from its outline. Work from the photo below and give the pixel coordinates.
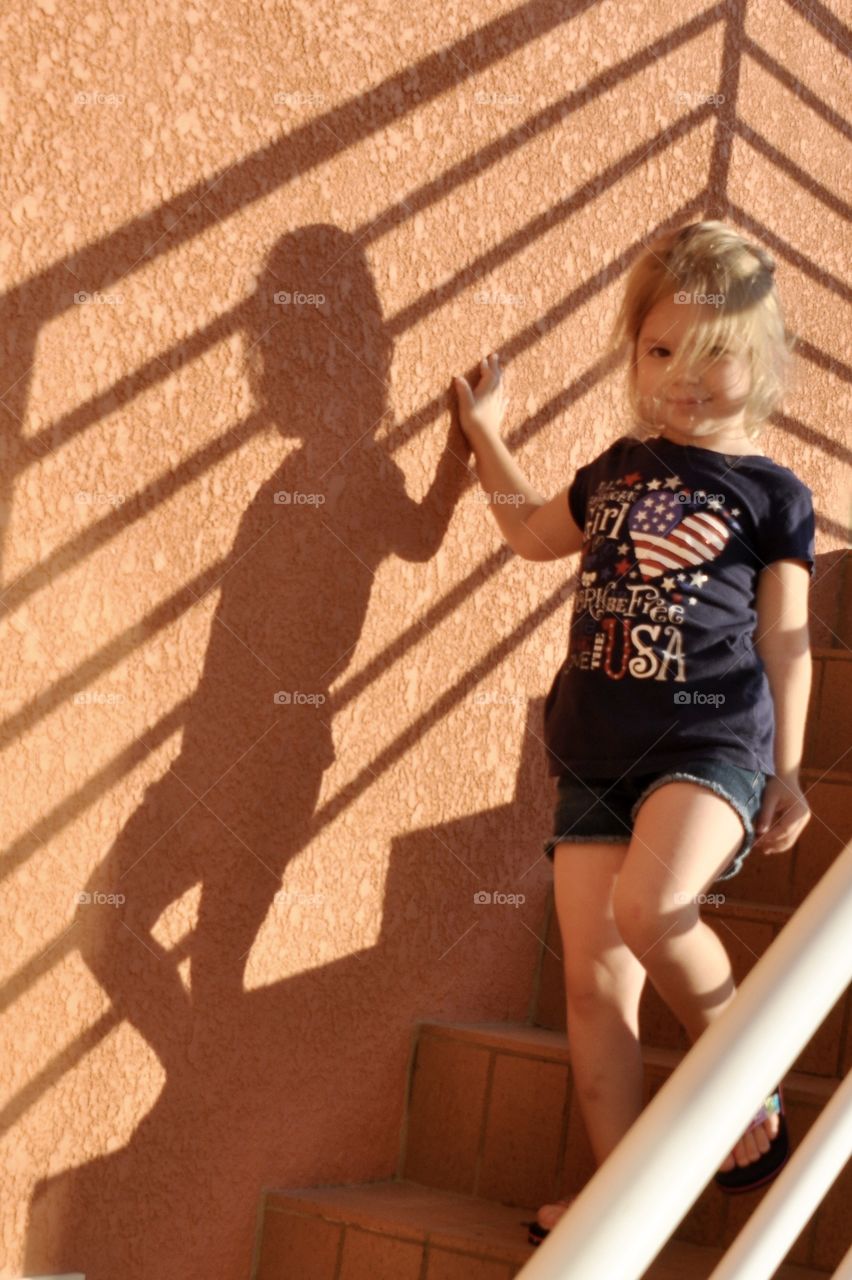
(420, 531)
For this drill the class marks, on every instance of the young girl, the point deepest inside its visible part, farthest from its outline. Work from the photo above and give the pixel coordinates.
(677, 719)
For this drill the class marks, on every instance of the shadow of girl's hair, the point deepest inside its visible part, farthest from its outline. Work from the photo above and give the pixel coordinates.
(315, 332)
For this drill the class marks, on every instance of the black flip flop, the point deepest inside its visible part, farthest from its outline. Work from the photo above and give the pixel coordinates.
(770, 1163)
(536, 1232)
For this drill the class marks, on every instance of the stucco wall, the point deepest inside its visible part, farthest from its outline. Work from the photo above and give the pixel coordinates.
(298, 877)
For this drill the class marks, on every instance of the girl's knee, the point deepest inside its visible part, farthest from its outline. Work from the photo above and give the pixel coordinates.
(633, 909)
(598, 1000)
(644, 918)
(596, 986)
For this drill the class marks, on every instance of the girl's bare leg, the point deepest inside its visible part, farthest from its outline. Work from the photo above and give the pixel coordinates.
(683, 836)
(603, 985)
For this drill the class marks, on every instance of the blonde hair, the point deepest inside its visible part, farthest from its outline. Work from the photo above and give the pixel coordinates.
(710, 259)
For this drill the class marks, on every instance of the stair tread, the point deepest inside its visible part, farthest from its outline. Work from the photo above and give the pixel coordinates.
(412, 1211)
(540, 1042)
(818, 773)
(749, 909)
(838, 651)
(469, 1224)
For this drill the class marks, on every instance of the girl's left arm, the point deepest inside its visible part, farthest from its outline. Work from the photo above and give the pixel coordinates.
(782, 642)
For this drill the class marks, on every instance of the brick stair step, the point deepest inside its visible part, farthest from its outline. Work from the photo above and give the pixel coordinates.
(492, 1113)
(843, 624)
(841, 776)
(829, 794)
(391, 1222)
(401, 1230)
(829, 708)
(841, 581)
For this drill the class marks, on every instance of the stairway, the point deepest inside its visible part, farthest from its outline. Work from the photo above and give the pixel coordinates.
(492, 1128)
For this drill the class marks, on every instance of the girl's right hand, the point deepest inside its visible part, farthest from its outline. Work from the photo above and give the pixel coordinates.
(484, 408)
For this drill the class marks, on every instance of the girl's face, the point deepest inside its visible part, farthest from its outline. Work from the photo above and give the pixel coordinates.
(707, 401)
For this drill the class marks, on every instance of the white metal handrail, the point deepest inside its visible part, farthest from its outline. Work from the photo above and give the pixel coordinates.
(628, 1210)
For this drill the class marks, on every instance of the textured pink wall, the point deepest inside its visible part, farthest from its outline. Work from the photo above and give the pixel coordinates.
(298, 878)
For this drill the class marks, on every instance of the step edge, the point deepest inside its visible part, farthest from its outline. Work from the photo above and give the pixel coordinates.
(840, 777)
(840, 652)
(370, 1185)
(814, 1087)
(463, 1239)
(749, 909)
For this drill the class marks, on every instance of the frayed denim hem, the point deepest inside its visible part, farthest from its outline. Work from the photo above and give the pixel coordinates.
(549, 846)
(733, 868)
(683, 775)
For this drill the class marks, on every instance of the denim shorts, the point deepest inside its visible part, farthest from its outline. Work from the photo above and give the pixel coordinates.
(605, 808)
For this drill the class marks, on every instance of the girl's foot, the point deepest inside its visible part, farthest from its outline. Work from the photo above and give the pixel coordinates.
(761, 1152)
(549, 1214)
(752, 1145)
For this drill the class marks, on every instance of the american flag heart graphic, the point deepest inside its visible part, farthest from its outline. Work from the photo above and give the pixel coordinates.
(666, 539)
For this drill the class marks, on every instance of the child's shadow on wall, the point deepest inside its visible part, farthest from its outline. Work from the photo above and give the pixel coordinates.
(293, 1079)
(294, 596)
(246, 1068)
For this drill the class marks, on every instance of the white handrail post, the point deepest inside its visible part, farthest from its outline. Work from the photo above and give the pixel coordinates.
(629, 1208)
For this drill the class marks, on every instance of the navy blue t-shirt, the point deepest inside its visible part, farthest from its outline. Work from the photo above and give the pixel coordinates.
(661, 665)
